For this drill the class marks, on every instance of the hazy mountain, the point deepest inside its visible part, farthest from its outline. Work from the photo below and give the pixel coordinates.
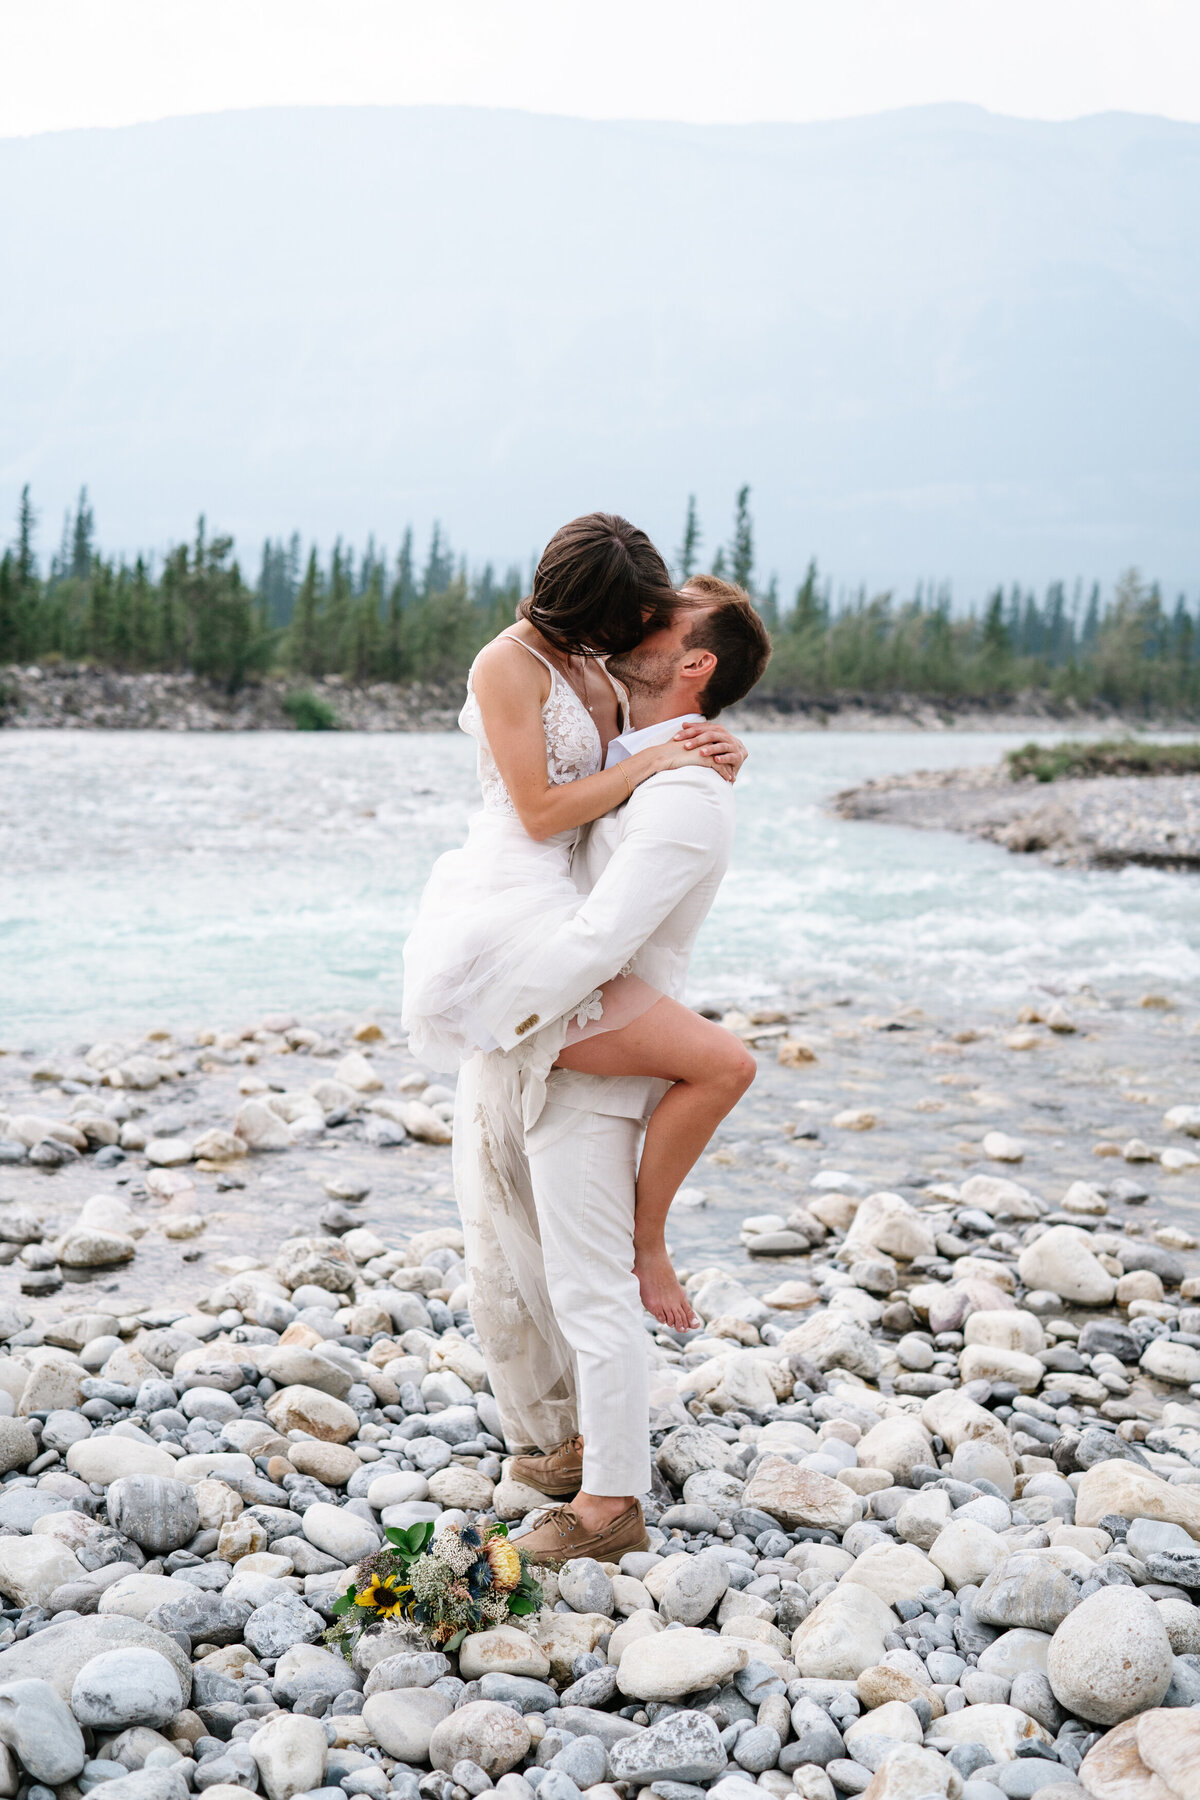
(936, 342)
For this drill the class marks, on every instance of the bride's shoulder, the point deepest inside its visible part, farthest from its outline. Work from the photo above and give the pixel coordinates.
(506, 664)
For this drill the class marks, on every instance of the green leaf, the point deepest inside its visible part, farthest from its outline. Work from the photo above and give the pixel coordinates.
(397, 1538)
(455, 1641)
(520, 1604)
(499, 1529)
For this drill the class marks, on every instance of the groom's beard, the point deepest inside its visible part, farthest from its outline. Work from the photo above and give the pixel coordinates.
(646, 675)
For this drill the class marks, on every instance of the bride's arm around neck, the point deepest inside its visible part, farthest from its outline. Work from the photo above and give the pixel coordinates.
(511, 689)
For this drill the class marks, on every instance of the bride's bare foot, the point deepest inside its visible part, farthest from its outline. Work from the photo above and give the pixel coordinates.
(661, 1292)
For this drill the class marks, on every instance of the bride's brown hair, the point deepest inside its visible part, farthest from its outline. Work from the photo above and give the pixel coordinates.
(600, 585)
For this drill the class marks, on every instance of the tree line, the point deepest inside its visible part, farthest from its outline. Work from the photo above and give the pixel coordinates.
(371, 616)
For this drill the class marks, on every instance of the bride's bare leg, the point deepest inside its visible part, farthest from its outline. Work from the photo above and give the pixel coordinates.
(710, 1070)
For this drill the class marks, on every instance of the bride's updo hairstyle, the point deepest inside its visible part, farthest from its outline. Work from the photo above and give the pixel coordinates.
(601, 585)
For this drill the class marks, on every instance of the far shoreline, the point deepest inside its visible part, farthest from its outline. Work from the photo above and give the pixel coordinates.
(75, 697)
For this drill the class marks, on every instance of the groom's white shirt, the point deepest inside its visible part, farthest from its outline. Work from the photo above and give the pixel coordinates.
(650, 871)
(628, 743)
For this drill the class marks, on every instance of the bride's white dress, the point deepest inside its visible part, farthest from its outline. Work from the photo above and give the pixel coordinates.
(484, 917)
(489, 907)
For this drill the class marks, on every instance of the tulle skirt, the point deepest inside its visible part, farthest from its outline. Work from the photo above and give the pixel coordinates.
(484, 921)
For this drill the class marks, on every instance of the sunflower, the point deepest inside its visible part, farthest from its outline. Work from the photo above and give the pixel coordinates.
(386, 1595)
(504, 1562)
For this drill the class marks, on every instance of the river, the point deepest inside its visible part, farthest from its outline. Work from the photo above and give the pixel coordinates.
(178, 880)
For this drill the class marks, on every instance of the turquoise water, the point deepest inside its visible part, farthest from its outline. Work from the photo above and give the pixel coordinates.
(158, 878)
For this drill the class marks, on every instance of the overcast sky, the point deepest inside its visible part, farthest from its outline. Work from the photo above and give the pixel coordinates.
(68, 63)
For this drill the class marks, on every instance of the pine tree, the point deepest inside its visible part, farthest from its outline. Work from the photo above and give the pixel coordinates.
(996, 642)
(768, 604)
(439, 568)
(82, 538)
(307, 627)
(741, 551)
(688, 552)
(809, 614)
(25, 569)
(337, 610)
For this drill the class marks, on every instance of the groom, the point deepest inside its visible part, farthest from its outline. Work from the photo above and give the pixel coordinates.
(568, 1307)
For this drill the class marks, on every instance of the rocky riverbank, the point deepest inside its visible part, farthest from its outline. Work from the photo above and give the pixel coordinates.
(1103, 822)
(926, 1509)
(74, 697)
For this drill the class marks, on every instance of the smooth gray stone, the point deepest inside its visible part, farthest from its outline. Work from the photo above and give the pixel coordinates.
(588, 1720)
(684, 1747)
(850, 1776)
(22, 1507)
(148, 1784)
(816, 1739)
(1023, 1776)
(413, 1668)
(584, 1759)
(757, 1749)
(596, 1688)
(207, 1618)
(37, 1726)
(757, 1681)
(274, 1628)
(1185, 1683)
(120, 1688)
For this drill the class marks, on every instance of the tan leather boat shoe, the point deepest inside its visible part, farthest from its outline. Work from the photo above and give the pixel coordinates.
(559, 1536)
(558, 1473)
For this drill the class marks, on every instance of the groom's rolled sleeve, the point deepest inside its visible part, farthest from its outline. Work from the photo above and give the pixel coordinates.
(673, 834)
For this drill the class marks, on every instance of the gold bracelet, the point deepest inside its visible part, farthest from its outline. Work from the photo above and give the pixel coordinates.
(621, 770)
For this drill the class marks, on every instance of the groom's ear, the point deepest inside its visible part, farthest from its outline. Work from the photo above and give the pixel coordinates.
(697, 665)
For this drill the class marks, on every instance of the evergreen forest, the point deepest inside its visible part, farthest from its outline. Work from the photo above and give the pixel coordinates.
(403, 617)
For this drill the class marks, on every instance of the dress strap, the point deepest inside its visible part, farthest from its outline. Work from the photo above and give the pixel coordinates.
(545, 660)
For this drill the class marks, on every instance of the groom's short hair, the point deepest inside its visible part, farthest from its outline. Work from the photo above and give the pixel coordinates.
(732, 628)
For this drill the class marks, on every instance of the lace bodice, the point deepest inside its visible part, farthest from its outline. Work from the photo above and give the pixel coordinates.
(572, 742)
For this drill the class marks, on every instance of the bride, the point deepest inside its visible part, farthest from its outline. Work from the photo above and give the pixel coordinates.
(543, 710)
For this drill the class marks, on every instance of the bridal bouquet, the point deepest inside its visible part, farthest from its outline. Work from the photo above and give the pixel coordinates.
(469, 1580)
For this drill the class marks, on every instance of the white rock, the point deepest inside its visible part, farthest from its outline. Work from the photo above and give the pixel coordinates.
(843, 1635)
(1014, 1329)
(670, 1664)
(483, 1732)
(394, 1490)
(261, 1129)
(339, 1533)
(1110, 1657)
(997, 1727)
(909, 1772)
(999, 1147)
(966, 1551)
(1063, 1261)
(290, 1753)
(897, 1445)
(886, 1222)
(503, 1650)
(106, 1459)
(32, 1567)
(1177, 1363)
(894, 1571)
(134, 1596)
(120, 1688)
(402, 1720)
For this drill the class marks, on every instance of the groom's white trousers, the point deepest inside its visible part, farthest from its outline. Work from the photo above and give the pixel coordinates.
(582, 1166)
(547, 1219)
